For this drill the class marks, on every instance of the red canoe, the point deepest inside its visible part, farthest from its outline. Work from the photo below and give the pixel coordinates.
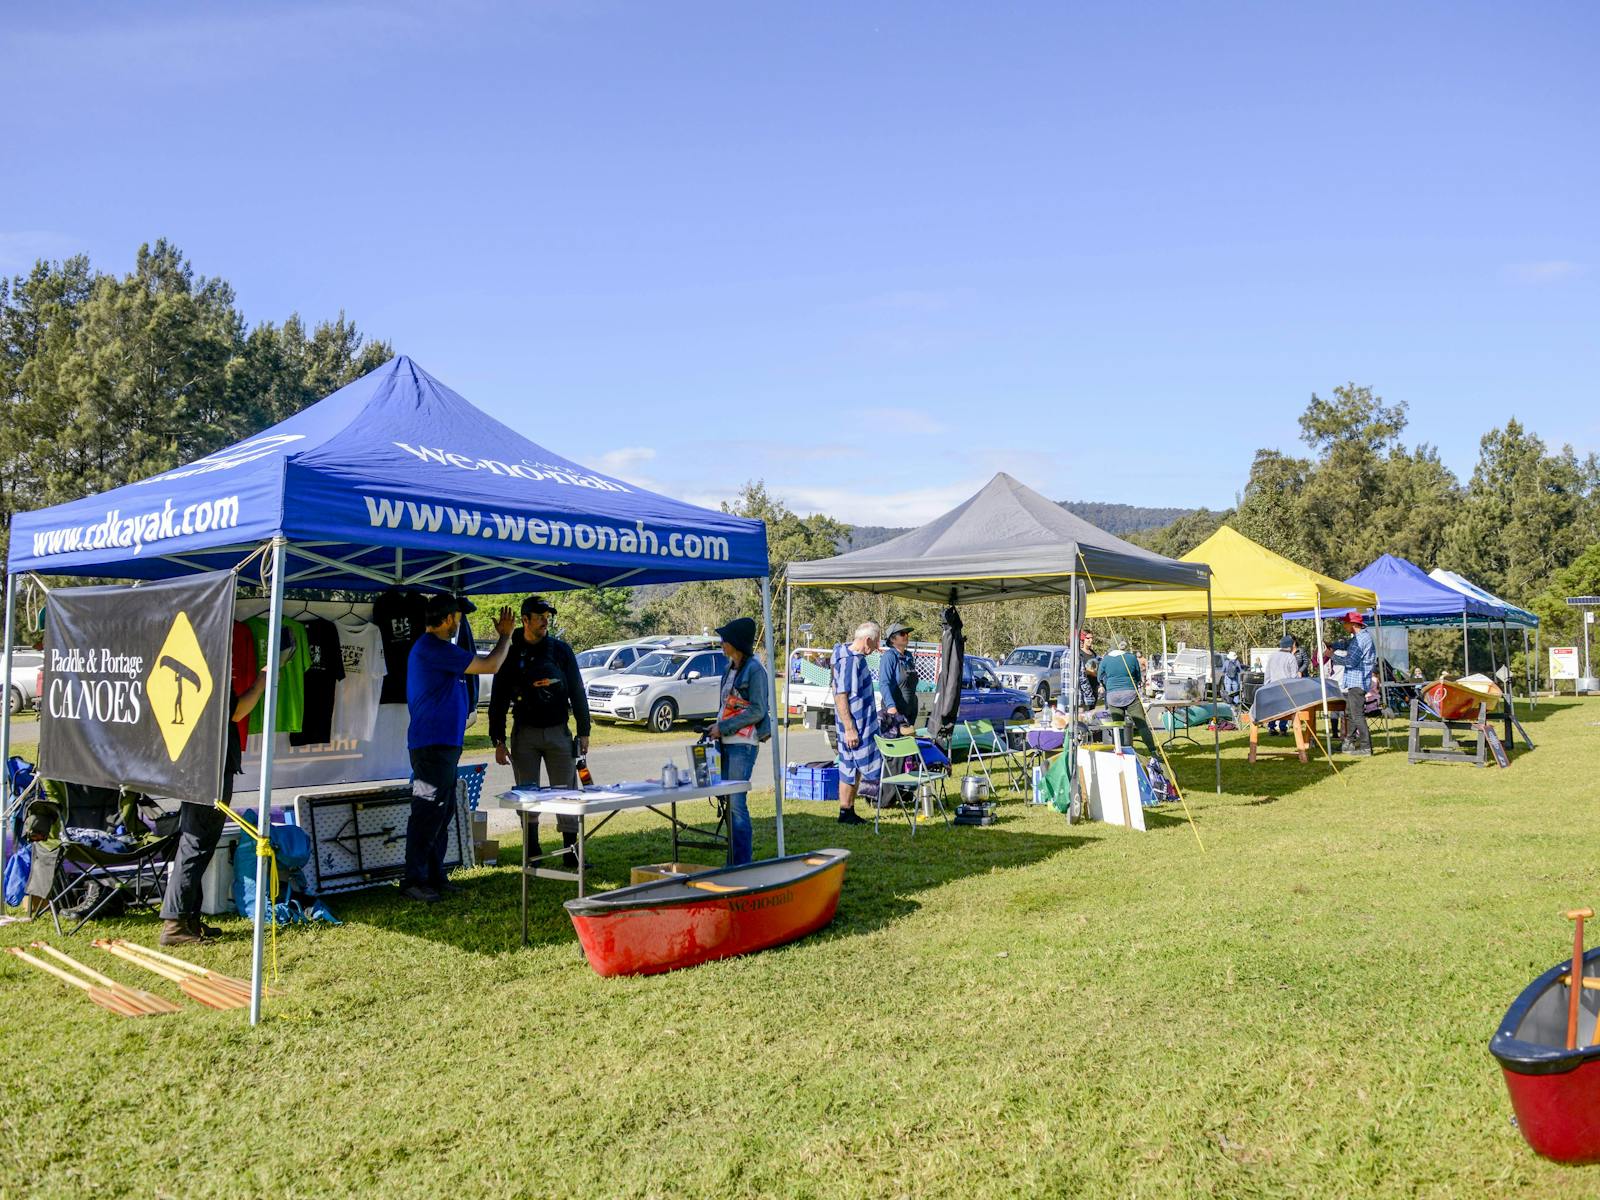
(672, 923)
(1458, 699)
(1555, 1092)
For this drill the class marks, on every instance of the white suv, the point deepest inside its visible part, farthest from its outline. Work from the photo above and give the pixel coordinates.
(664, 686)
(617, 656)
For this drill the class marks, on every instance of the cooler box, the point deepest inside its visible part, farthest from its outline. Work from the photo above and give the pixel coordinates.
(809, 781)
(216, 885)
(654, 871)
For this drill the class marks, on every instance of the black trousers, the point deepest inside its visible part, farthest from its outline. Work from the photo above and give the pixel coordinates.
(1356, 733)
(433, 807)
(199, 828)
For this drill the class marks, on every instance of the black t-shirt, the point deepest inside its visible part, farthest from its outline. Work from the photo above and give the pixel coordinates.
(401, 617)
(324, 671)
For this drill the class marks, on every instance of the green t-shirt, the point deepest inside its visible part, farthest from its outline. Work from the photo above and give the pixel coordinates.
(291, 676)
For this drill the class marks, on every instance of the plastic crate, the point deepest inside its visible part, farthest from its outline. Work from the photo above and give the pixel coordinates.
(803, 782)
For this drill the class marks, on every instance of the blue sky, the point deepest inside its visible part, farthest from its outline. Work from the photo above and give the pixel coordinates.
(868, 252)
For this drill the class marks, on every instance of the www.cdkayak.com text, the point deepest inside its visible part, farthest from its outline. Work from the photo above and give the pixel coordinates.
(139, 530)
(634, 538)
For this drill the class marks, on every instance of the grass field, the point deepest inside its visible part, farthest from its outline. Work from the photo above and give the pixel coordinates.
(1030, 1009)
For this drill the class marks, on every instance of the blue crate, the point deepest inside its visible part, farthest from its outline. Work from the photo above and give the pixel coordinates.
(802, 782)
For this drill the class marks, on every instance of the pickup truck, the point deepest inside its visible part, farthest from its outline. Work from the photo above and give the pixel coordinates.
(982, 696)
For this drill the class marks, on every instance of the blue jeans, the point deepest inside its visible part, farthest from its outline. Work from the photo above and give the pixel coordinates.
(738, 761)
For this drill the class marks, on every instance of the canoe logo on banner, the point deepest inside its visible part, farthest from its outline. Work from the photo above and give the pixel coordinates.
(233, 456)
(178, 686)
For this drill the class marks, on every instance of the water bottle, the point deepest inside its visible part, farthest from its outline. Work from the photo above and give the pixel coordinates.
(585, 779)
(669, 774)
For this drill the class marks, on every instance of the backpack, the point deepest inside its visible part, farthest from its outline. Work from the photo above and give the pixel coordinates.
(291, 845)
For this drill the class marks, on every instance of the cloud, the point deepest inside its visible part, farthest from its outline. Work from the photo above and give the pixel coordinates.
(857, 507)
(625, 462)
(1549, 271)
(21, 249)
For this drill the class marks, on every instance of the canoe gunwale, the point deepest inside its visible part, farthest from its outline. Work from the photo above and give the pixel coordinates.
(1533, 1058)
(638, 896)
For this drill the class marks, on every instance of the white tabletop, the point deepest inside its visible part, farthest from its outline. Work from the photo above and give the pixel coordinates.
(569, 802)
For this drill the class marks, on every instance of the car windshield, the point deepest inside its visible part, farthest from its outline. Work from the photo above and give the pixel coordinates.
(658, 666)
(594, 658)
(1028, 658)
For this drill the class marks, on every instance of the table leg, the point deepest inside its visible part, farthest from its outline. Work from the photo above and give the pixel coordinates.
(526, 867)
(582, 859)
(674, 831)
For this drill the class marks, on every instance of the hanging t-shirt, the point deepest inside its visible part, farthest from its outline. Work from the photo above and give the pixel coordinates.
(243, 669)
(291, 676)
(401, 617)
(355, 713)
(324, 670)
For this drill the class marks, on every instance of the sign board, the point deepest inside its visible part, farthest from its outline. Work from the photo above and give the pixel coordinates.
(1564, 662)
(136, 684)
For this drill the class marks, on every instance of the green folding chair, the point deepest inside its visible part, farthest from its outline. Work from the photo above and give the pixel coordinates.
(917, 784)
(986, 744)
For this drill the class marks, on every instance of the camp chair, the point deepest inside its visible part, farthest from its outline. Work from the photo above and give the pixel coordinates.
(983, 733)
(138, 876)
(919, 782)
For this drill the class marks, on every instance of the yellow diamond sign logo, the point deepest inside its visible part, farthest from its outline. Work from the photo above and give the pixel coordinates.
(178, 686)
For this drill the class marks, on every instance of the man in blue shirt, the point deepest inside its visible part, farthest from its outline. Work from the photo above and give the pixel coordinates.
(436, 696)
(1361, 659)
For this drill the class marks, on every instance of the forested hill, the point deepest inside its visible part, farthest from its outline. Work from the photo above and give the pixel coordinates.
(1120, 519)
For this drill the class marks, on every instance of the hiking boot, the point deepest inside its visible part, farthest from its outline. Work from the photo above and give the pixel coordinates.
(178, 933)
(415, 891)
(847, 816)
(446, 888)
(200, 928)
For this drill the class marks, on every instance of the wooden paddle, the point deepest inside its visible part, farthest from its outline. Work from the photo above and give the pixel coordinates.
(148, 1001)
(1578, 916)
(226, 982)
(199, 990)
(106, 1000)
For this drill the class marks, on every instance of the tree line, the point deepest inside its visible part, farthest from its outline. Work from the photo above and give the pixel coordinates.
(109, 378)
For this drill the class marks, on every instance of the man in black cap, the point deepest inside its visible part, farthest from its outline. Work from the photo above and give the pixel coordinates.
(436, 695)
(540, 684)
(897, 680)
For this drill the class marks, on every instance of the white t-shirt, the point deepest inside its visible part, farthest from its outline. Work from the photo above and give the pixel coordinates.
(355, 710)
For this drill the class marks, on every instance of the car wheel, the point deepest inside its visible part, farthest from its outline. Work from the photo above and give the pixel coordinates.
(15, 701)
(1021, 716)
(1041, 698)
(662, 715)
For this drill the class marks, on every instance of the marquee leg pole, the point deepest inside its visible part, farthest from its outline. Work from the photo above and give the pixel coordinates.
(269, 725)
(1075, 665)
(1211, 684)
(6, 797)
(1529, 670)
(772, 705)
(1466, 649)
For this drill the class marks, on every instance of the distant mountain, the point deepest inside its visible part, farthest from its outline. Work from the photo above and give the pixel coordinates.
(1120, 519)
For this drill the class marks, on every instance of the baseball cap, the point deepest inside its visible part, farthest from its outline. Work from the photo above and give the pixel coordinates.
(537, 604)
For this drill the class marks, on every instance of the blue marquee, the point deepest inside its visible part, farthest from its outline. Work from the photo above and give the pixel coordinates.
(393, 478)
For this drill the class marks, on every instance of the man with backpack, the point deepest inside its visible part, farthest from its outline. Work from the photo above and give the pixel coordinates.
(540, 685)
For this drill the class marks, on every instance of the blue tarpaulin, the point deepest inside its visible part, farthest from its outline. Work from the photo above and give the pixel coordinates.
(1407, 596)
(393, 478)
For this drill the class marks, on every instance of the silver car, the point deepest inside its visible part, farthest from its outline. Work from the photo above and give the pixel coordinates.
(24, 690)
(1035, 670)
(662, 687)
(617, 656)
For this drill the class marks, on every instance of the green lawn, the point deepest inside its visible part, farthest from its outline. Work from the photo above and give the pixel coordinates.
(1031, 1009)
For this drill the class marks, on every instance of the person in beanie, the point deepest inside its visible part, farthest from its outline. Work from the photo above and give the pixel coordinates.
(1361, 658)
(541, 686)
(436, 697)
(897, 679)
(743, 722)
